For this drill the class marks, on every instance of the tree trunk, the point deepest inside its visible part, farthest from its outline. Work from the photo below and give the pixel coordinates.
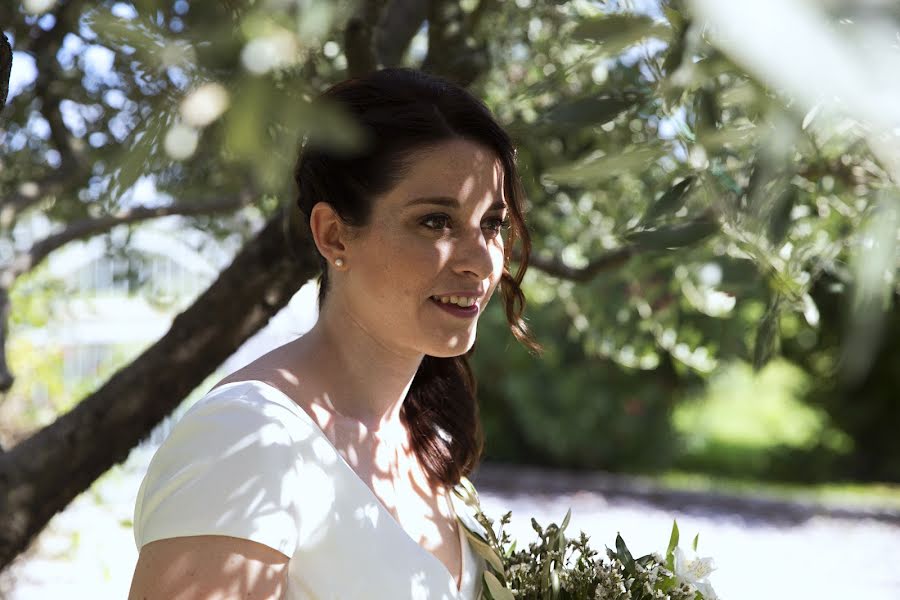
(6, 58)
(42, 474)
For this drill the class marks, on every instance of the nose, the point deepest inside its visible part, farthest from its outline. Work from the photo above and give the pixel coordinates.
(473, 255)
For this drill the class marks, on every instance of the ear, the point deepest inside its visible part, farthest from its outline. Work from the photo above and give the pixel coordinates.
(329, 233)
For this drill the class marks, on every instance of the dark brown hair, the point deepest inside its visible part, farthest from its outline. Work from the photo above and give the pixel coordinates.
(403, 111)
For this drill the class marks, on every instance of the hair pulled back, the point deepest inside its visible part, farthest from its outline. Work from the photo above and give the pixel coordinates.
(402, 111)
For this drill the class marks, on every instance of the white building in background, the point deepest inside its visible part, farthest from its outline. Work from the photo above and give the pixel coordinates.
(87, 550)
(104, 313)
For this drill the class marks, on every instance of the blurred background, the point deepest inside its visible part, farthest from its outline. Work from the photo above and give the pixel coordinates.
(712, 193)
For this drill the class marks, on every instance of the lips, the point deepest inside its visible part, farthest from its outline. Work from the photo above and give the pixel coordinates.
(456, 310)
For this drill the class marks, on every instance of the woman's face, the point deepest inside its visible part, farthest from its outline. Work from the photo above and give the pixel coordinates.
(436, 234)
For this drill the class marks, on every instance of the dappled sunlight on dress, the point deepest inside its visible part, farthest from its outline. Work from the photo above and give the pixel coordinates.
(247, 461)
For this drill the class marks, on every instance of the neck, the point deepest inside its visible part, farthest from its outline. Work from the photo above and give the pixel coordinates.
(367, 381)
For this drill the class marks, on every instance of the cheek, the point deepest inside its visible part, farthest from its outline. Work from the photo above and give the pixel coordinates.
(401, 269)
(497, 258)
(497, 255)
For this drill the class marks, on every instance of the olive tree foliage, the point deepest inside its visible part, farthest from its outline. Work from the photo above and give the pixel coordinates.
(684, 212)
(689, 213)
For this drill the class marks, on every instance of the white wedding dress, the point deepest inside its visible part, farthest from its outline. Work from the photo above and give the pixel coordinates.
(246, 461)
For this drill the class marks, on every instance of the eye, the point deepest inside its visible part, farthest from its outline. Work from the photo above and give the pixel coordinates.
(435, 219)
(498, 224)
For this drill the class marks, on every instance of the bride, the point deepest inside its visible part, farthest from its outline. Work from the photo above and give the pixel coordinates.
(327, 467)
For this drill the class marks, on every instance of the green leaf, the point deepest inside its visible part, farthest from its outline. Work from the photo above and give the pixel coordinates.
(484, 550)
(588, 111)
(706, 109)
(676, 19)
(597, 168)
(780, 217)
(616, 32)
(668, 583)
(696, 539)
(675, 236)
(565, 522)
(669, 203)
(673, 543)
(675, 52)
(130, 164)
(624, 554)
(767, 335)
(545, 580)
(497, 590)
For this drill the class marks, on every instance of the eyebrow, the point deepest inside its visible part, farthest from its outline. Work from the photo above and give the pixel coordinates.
(449, 201)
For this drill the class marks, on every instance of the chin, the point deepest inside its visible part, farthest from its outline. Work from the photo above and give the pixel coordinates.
(449, 350)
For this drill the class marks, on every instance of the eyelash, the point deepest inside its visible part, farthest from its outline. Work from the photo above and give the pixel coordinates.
(503, 224)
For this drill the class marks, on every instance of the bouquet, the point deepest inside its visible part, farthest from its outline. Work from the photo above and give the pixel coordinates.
(559, 568)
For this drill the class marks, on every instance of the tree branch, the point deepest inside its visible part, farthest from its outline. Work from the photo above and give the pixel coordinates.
(6, 58)
(38, 39)
(86, 228)
(27, 194)
(453, 51)
(6, 376)
(44, 46)
(557, 268)
(42, 474)
(659, 240)
(400, 23)
(359, 39)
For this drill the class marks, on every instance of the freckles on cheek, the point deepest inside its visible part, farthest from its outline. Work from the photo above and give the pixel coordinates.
(402, 272)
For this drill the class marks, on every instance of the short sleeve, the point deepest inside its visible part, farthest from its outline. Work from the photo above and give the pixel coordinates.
(228, 467)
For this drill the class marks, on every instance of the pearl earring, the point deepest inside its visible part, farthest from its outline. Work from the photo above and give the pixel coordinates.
(339, 262)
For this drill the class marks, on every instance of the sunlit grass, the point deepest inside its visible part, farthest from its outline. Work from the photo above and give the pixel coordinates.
(748, 425)
(858, 495)
(751, 410)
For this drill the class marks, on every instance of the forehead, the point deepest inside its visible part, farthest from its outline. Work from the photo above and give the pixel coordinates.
(459, 168)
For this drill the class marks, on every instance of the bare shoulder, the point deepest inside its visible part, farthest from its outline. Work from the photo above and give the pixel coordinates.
(202, 567)
(275, 368)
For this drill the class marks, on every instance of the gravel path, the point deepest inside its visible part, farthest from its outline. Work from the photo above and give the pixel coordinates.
(763, 549)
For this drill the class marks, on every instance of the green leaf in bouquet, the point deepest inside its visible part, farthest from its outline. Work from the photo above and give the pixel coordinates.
(668, 584)
(545, 581)
(565, 522)
(496, 589)
(696, 539)
(624, 554)
(554, 583)
(470, 514)
(467, 490)
(511, 549)
(646, 560)
(670, 551)
(485, 551)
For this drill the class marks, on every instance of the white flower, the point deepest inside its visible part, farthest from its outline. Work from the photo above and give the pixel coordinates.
(705, 588)
(694, 570)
